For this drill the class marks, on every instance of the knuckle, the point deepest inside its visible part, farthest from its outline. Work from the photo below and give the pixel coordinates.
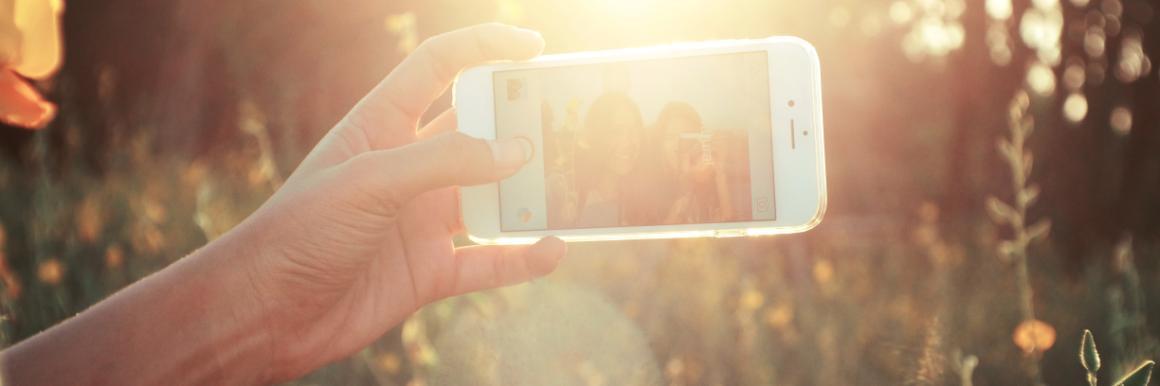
(461, 152)
(464, 144)
(496, 279)
(380, 195)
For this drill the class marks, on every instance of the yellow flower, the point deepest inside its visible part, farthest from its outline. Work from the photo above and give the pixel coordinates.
(114, 256)
(752, 300)
(1034, 336)
(50, 271)
(391, 363)
(11, 285)
(780, 316)
(823, 271)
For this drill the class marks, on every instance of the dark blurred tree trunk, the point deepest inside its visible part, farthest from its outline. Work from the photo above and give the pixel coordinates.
(982, 90)
(1102, 184)
(1139, 203)
(967, 67)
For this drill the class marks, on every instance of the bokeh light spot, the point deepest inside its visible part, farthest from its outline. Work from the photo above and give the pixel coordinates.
(1133, 63)
(1075, 107)
(900, 12)
(999, 9)
(839, 16)
(1073, 75)
(1041, 79)
(1121, 121)
(1094, 42)
(1041, 27)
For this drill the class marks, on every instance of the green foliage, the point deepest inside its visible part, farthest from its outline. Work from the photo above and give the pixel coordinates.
(1138, 377)
(1089, 357)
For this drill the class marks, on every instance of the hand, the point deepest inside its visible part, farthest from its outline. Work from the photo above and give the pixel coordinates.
(359, 237)
(719, 145)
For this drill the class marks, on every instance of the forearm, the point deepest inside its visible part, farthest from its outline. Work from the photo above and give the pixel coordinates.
(194, 322)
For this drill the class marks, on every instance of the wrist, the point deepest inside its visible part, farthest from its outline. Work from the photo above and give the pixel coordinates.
(194, 322)
(243, 345)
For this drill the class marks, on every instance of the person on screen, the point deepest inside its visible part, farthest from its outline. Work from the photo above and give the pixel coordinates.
(682, 180)
(608, 151)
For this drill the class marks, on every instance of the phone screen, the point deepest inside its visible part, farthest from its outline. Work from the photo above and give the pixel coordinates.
(638, 143)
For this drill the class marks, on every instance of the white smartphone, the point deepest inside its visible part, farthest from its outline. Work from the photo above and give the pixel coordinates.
(706, 139)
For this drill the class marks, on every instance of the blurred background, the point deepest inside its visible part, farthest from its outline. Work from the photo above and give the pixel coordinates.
(994, 189)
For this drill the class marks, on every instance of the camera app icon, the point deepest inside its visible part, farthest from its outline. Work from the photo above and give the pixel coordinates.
(761, 204)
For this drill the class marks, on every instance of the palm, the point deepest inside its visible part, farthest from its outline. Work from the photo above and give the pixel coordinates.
(390, 264)
(380, 294)
(354, 260)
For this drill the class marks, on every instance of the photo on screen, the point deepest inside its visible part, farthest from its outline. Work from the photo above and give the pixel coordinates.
(638, 143)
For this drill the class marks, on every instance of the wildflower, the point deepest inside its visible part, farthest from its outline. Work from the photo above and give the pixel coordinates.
(114, 256)
(390, 362)
(823, 271)
(11, 284)
(88, 219)
(1034, 336)
(50, 271)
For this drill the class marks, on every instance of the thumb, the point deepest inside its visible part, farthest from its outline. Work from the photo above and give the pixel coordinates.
(396, 175)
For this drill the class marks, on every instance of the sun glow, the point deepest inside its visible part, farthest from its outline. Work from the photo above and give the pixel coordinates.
(936, 31)
(1041, 28)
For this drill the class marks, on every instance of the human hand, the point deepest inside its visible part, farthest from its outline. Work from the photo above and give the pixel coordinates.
(720, 143)
(359, 237)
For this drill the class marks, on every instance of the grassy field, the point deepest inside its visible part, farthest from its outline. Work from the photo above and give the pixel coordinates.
(994, 179)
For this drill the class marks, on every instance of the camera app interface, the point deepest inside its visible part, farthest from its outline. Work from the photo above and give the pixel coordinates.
(638, 143)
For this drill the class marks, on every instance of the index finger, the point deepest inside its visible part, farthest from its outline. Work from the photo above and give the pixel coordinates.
(400, 99)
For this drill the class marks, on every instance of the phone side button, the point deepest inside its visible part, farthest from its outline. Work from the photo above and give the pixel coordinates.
(729, 233)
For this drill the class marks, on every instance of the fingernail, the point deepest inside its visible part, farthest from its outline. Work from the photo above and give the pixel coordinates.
(511, 153)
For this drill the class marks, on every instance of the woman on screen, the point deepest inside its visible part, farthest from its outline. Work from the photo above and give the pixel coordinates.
(682, 179)
(609, 148)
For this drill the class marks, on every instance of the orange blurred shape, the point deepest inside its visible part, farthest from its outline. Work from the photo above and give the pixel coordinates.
(390, 362)
(780, 316)
(823, 271)
(752, 300)
(30, 46)
(20, 104)
(1034, 336)
(88, 219)
(149, 239)
(114, 256)
(11, 285)
(50, 271)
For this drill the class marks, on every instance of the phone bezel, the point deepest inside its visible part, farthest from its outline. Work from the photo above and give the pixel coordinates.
(799, 172)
